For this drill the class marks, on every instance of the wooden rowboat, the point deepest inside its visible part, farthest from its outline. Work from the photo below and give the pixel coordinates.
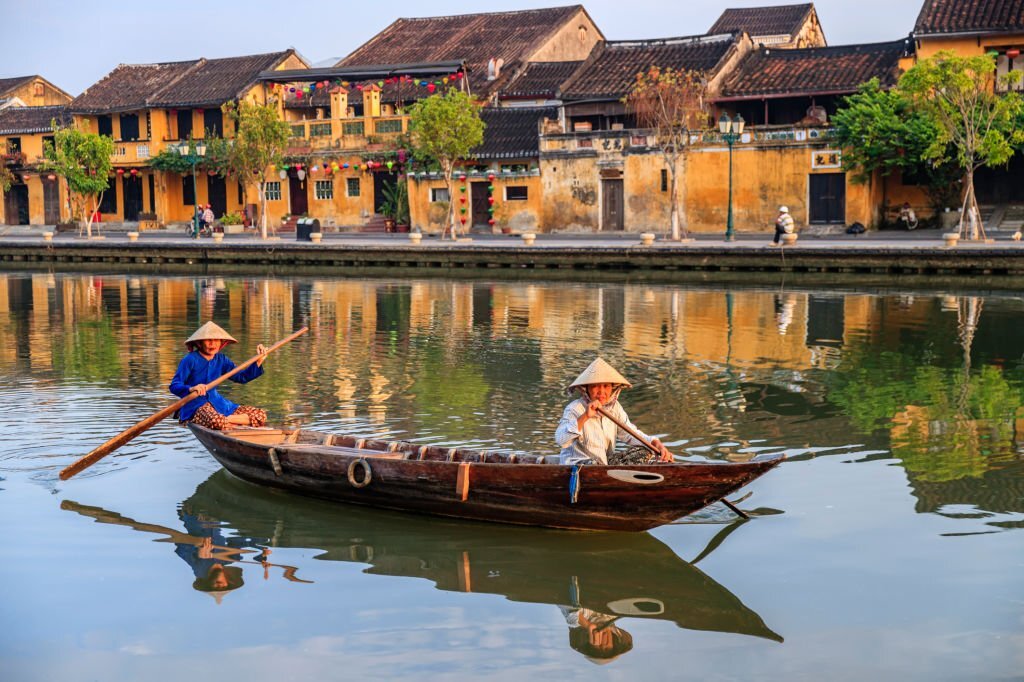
(474, 484)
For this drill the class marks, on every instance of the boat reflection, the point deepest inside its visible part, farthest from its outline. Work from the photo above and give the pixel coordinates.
(597, 579)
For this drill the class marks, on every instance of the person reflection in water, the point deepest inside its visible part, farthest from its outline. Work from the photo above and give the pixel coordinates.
(211, 558)
(595, 635)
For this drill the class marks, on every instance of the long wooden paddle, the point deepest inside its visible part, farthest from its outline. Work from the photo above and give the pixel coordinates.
(144, 425)
(647, 444)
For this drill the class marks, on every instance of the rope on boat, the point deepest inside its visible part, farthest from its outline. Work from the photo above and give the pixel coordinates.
(275, 462)
(367, 473)
(574, 483)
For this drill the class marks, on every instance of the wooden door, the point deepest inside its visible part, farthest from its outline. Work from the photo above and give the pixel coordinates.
(827, 198)
(299, 200)
(16, 205)
(612, 218)
(131, 190)
(51, 202)
(479, 215)
(217, 195)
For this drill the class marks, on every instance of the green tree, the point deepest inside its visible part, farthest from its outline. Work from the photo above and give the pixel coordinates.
(881, 131)
(82, 159)
(975, 124)
(259, 143)
(445, 129)
(6, 178)
(671, 103)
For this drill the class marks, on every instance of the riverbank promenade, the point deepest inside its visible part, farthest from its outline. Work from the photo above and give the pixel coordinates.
(919, 252)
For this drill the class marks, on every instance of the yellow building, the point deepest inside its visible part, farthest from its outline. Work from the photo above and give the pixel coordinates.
(974, 27)
(35, 198)
(149, 108)
(29, 107)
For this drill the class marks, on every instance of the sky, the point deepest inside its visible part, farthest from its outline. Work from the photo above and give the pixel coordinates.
(75, 44)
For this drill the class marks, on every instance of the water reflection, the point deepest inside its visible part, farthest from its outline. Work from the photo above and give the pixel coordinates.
(935, 382)
(599, 581)
(215, 559)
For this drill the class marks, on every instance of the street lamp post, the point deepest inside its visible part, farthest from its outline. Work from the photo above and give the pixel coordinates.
(185, 149)
(731, 130)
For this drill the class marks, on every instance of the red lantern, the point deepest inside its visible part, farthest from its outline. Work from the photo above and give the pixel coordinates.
(134, 171)
(491, 221)
(490, 200)
(1013, 54)
(462, 200)
(51, 176)
(120, 171)
(463, 220)
(431, 88)
(490, 176)
(462, 178)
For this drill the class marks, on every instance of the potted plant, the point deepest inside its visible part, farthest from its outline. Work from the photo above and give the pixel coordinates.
(395, 207)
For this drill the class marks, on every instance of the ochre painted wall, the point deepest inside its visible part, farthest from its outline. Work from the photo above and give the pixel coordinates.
(572, 42)
(967, 45)
(515, 215)
(38, 92)
(763, 178)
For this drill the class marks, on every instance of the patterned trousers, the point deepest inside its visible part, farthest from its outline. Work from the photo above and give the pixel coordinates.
(212, 419)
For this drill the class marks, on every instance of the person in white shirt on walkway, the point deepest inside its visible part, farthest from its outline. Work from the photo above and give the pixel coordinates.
(584, 434)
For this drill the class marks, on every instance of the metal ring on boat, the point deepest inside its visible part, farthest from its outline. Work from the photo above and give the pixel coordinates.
(367, 474)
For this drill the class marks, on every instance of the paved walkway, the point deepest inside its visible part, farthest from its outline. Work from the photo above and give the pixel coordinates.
(811, 238)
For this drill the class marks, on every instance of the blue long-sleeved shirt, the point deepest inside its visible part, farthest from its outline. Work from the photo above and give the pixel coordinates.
(194, 369)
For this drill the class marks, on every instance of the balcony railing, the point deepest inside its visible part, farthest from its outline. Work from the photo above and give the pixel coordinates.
(347, 133)
(612, 141)
(130, 152)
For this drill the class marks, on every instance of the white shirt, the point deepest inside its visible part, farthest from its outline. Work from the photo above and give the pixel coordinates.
(599, 435)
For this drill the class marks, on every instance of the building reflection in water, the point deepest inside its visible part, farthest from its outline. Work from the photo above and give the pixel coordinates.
(598, 580)
(931, 378)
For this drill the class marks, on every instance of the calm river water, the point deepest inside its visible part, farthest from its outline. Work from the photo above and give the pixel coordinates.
(889, 546)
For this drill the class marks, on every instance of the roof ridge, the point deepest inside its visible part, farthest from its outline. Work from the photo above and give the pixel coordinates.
(830, 48)
(484, 14)
(677, 40)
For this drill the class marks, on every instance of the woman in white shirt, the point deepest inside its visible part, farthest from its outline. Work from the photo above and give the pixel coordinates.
(583, 433)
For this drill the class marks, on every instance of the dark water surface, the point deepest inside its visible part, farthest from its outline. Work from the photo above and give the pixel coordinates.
(890, 545)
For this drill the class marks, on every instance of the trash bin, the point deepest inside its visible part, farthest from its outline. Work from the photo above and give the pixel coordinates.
(304, 227)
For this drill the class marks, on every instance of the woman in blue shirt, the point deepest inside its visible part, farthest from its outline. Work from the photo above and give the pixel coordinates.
(205, 363)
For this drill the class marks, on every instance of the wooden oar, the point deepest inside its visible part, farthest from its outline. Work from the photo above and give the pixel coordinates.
(144, 425)
(647, 444)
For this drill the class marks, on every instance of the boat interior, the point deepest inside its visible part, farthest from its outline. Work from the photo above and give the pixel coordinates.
(326, 443)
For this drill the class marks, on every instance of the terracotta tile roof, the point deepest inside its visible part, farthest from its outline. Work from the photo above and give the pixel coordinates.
(8, 84)
(195, 83)
(539, 79)
(837, 69)
(512, 132)
(610, 70)
(129, 86)
(29, 120)
(970, 16)
(763, 21)
(215, 81)
(475, 38)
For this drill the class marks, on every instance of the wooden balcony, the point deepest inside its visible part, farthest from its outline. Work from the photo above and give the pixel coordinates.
(602, 142)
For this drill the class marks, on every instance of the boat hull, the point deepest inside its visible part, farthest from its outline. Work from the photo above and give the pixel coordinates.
(477, 485)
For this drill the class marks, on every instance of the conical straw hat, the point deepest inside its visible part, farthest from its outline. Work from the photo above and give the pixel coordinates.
(599, 372)
(210, 330)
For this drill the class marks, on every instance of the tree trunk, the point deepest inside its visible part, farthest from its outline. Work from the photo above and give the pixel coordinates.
(263, 208)
(450, 220)
(673, 196)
